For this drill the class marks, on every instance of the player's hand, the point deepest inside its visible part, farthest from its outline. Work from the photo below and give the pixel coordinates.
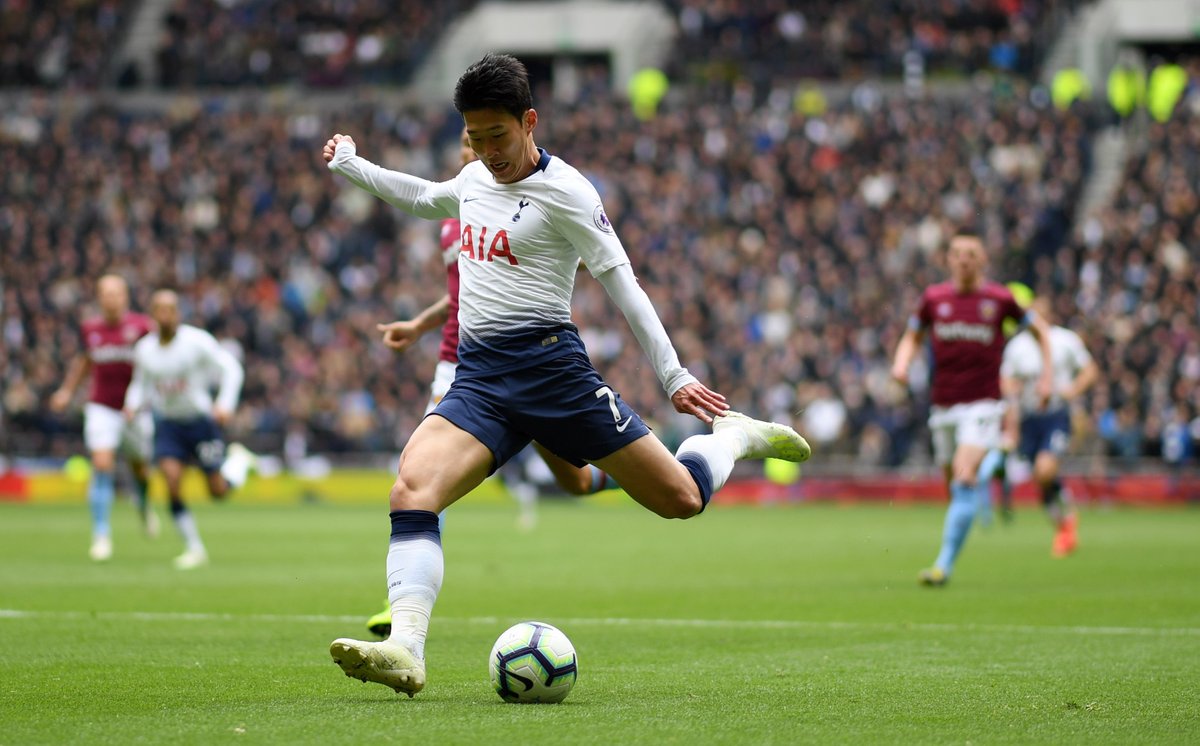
(698, 400)
(221, 416)
(1008, 441)
(900, 375)
(332, 143)
(129, 414)
(60, 400)
(1045, 389)
(399, 335)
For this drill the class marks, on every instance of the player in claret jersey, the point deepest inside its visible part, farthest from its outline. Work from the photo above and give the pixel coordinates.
(523, 373)
(964, 319)
(107, 344)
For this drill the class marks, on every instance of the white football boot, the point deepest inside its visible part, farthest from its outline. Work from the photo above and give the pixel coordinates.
(765, 439)
(191, 559)
(101, 549)
(388, 663)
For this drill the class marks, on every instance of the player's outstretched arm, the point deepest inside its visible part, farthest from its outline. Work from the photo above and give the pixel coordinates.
(905, 352)
(687, 394)
(80, 365)
(1041, 332)
(135, 394)
(420, 197)
(400, 335)
(232, 376)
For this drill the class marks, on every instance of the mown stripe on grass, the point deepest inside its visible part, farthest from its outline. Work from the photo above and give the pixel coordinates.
(1018, 629)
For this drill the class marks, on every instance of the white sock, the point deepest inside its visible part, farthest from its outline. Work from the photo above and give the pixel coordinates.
(414, 572)
(710, 456)
(187, 529)
(236, 467)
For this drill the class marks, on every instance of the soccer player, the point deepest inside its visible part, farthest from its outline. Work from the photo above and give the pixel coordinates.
(173, 370)
(523, 373)
(107, 344)
(1046, 432)
(965, 316)
(443, 314)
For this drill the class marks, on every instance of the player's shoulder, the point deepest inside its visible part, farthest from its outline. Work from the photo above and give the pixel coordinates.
(560, 175)
(996, 290)
(91, 324)
(938, 291)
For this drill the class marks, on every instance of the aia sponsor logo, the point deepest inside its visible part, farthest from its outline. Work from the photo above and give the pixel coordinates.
(487, 250)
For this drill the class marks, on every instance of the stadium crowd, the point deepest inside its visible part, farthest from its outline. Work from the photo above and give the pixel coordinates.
(321, 44)
(330, 43)
(855, 39)
(783, 251)
(783, 238)
(58, 44)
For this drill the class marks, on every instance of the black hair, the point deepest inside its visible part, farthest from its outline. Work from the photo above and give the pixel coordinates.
(498, 81)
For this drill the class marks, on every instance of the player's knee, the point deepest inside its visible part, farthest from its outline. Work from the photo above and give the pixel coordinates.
(405, 496)
(104, 461)
(684, 504)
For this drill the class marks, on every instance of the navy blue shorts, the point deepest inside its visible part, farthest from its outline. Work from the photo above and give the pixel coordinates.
(561, 403)
(1045, 432)
(197, 440)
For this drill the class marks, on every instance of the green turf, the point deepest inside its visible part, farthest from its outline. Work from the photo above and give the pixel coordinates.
(772, 625)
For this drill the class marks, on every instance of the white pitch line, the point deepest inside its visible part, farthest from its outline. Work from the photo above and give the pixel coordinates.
(1020, 629)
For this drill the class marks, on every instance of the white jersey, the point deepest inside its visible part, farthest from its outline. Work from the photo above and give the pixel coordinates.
(521, 245)
(520, 248)
(1023, 361)
(175, 379)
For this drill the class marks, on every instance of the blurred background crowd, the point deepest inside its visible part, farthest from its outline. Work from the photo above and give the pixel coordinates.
(783, 233)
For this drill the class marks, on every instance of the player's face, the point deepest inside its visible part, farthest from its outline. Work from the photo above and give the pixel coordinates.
(465, 154)
(503, 142)
(966, 259)
(165, 312)
(113, 296)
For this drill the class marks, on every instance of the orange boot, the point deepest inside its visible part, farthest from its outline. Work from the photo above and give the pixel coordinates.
(1066, 538)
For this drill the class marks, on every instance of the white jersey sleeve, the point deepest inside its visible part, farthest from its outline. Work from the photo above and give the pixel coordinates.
(414, 195)
(579, 217)
(227, 369)
(623, 288)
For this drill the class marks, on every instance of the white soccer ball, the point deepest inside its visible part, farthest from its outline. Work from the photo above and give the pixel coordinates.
(533, 662)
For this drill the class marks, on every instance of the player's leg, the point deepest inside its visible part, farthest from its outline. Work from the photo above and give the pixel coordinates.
(976, 431)
(680, 486)
(101, 492)
(138, 448)
(1058, 508)
(102, 435)
(576, 480)
(194, 552)
(943, 430)
(440, 464)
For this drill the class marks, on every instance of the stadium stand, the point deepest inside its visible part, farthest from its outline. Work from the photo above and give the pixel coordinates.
(318, 44)
(58, 44)
(781, 235)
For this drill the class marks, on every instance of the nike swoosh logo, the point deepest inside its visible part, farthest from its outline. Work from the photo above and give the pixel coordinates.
(625, 424)
(469, 199)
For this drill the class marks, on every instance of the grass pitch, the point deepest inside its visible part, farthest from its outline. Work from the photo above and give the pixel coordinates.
(745, 625)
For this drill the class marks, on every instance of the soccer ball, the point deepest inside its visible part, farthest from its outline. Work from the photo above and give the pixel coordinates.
(533, 662)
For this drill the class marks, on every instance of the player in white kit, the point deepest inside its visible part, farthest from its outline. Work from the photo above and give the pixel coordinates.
(1045, 433)
(527, 220)
(173, 370)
